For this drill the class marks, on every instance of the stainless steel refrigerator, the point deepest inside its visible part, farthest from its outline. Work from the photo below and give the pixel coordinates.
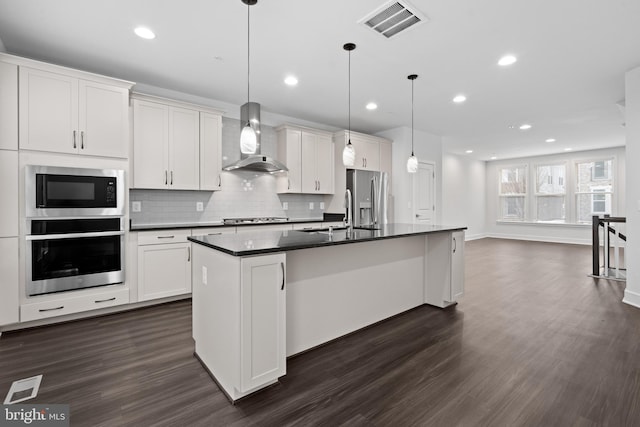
(370, 195)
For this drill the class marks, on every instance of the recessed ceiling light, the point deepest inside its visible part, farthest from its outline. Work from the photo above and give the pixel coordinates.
(469, 151)
(525, 126)
(291, 80)
(372, 106)
(507, 60)
(568, 149)
(550, 140)
(493, 157)
(459, 99)
(145, 33)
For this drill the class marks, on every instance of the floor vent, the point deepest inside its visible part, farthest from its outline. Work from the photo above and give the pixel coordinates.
(392, 18)
(22, 390)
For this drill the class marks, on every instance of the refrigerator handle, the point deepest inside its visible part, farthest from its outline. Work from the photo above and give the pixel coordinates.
(374, 211)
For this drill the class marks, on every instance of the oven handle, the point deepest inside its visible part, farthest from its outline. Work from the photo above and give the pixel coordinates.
(75, 235)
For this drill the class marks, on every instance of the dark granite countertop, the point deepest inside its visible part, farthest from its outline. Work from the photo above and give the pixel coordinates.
(263, 242)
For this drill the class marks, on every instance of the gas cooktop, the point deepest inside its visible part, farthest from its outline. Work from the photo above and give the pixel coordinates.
(261, 220)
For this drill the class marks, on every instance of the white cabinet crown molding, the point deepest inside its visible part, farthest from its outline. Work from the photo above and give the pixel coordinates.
(26, 62)
(174, 103)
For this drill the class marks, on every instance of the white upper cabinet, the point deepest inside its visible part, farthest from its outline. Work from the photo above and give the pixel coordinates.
(184, 149)
(65, 114)
(289, 152)
(174, 147)
(8, 194)
(210, 151)
(308, 154)
(8, 106)
(367, 153)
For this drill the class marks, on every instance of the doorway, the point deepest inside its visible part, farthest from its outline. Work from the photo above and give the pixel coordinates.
(424, 194)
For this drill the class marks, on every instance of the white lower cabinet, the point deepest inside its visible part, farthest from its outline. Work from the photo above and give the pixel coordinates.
(444, 268)
(9, 301)
(262, 320)
(164, 264)
(239, 318)
(108, 296)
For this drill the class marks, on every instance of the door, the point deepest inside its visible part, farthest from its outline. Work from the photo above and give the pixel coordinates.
(48, 111)
(164, 270)
(150, 144)
(424, 194)
(184, 149)
(104, 120)
(324, 164)
(457, 265)
(262, 320)
(308, 162)
(210, 151)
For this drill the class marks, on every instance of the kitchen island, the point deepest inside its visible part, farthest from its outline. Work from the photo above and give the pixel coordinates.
(260, 297)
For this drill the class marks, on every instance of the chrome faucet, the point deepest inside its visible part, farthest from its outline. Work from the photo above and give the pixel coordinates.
(348, 215)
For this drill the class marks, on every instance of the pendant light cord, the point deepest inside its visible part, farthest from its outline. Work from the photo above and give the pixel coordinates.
(349, 97)
(412, 117)
(248, 51)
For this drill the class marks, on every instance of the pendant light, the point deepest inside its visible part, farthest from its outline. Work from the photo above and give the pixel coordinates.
(248, 137)
(412, 161)
(349, 153)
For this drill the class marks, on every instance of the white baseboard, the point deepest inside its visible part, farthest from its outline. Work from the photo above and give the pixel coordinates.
(540, 238)
(468, 237)
(631, 298)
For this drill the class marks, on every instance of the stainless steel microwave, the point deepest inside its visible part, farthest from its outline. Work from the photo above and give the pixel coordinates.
(73, 192)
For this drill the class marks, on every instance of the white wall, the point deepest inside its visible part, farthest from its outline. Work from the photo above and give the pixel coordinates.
(561, 233)
(632, 291)
(464, 194)
(427, 148)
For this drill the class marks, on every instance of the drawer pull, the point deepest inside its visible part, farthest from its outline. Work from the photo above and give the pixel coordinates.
(214, 234)
(166, 237)
(51, 309)
(105, 300)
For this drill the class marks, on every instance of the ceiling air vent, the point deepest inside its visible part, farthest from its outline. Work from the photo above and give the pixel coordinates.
(392, 18)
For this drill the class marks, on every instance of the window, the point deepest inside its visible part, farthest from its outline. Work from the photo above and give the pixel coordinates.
(594, 189)
(513, 191)
(550, 197)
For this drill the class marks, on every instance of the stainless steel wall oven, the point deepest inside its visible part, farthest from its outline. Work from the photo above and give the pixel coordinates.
(75, 228)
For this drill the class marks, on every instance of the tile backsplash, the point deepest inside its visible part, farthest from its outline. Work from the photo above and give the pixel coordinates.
(243, 194)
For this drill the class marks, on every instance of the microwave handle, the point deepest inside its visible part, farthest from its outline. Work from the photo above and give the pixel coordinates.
(74, 235)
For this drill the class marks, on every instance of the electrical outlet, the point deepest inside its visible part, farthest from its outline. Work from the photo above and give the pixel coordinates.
(136, 206)
(311, 205)
(204, 275)
(199, 206)
(285, 206)
(322, 205)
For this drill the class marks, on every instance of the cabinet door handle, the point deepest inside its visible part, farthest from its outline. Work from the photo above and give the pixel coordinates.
(219, 181)
(166, 237)
(51, 309)
(455, 245)
(82, 140)
(188, 254)
(288, 184)
(166, 177)
(282, 267)
(171, 177)
(319, 185)
(74, 140)
(105, 300)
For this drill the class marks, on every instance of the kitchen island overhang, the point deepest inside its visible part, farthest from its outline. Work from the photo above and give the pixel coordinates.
(260, 297)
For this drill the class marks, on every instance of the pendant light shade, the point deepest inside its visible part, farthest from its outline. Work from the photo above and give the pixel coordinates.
(412, 161)
(248, 140)
(248, 136)
(349, 153)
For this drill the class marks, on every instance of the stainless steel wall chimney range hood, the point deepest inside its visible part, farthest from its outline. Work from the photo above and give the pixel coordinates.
(250, 112)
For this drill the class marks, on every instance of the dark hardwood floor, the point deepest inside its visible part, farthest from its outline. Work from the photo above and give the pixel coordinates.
(533, 342)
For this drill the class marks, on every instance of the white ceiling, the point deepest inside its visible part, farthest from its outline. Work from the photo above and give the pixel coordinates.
(572, 56)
